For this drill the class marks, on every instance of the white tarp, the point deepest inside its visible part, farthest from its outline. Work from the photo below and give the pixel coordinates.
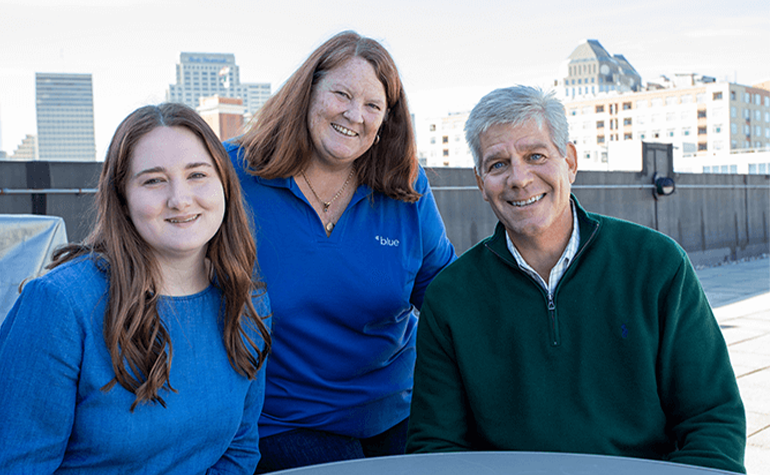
(26, 244)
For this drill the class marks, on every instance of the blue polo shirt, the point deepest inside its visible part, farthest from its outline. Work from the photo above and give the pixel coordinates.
(343, 306)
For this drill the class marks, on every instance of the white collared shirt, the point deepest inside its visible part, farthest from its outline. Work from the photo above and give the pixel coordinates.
(561, 265)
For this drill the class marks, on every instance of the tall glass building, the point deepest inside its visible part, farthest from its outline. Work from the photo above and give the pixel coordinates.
(65, 117)
(208, 74)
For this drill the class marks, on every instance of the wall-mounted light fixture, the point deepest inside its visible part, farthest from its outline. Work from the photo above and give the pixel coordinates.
(663, 186)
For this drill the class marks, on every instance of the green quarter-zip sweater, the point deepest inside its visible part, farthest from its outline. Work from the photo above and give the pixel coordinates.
(625, 359)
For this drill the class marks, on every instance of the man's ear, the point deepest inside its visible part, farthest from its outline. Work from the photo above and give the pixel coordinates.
(572, 164)
(480, 184)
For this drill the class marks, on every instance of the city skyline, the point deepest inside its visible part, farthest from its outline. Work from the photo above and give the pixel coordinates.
(448, 55)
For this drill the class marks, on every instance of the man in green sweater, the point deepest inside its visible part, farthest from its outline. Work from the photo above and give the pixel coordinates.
(567, 331)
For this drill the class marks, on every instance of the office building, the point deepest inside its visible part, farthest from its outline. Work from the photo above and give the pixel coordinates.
(700, 116)
(207, 74)
(223, 114)
(27, 150)
(591, 70)
(441, 141)
(65, 117)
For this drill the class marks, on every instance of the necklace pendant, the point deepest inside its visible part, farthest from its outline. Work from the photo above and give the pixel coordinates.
(329, 227)
(326, 207)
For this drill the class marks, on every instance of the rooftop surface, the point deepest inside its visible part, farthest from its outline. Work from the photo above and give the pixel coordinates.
(740, 296)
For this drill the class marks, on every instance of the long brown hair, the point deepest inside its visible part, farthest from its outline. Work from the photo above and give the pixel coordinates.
(138, 342)
(278, 144)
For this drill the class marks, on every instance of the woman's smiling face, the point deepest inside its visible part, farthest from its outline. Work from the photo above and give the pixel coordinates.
(347, 107)
(174, 194)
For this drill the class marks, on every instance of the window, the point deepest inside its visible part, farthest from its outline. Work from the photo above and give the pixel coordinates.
(657, 102)
(599, 108)
(762, 168)
(686, 131)
(641, 104)
(758, 131)
(446, 152)
(702, 146)
(626, 106)
(746, 114)
(767, 116)
(701, 113)
(717, 145)
(717, 96)
(717, 128)
(445, 139)
(733, 169)
(627, 121)
(433, 140)
(702, 131)
(747, 98)
(573, 112)
(670, 100)
(767, 101)
(586, 110)
(670, 116)
(732, 95)
(767, 133)
(757, 115)
(733, 112)
(600, 139)
(686, 99)
(700, 98)
(706, 169)
(599, 124)
(747, 129)
(670, 132)
(627, 136)
(432, 127)
(752, 168)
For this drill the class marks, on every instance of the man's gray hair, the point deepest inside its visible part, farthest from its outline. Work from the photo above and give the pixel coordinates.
(516, 105)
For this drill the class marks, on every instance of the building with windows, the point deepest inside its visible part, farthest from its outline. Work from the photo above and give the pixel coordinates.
(441, 141)
(223, 114)
(65, 117)
(591, 70)
(700, 116)
(27, 150)
(207, 74)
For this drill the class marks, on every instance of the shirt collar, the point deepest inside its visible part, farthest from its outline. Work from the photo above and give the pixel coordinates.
(561, 265)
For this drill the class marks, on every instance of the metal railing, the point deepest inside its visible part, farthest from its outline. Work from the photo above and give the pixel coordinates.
(47, 191)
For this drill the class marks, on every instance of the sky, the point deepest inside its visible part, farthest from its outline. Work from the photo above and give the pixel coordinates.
(449, 53)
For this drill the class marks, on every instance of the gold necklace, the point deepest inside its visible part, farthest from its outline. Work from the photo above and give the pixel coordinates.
(326, 204)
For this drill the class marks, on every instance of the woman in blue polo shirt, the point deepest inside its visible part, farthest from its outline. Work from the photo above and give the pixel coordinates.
(348, 236)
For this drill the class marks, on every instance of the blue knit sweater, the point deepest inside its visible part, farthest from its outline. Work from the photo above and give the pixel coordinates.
(54, 417)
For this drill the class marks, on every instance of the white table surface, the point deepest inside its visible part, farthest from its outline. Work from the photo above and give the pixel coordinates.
(498, 463)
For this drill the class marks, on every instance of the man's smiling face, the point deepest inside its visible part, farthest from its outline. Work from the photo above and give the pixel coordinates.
(527, 181)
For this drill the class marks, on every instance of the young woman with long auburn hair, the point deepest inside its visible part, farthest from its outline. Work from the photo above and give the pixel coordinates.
(142, 350)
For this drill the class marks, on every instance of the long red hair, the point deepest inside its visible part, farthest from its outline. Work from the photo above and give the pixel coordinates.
(277, 142)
